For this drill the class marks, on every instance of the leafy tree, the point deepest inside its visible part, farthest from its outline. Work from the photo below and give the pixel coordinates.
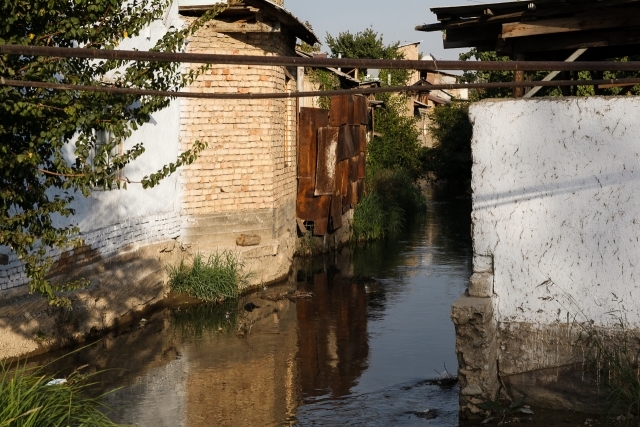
(37, 126)
(450, 157)
(367, 44)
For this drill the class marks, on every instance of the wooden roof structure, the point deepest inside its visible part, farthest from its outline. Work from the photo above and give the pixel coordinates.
(261, 16)
(543, 29)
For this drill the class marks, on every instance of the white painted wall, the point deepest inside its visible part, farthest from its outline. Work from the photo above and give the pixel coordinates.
(111, 220)
(556, 202)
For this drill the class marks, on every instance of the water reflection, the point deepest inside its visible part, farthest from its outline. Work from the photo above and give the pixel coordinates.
(359, 352)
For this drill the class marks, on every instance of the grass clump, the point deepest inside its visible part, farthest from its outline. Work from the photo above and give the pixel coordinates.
(26, 400)
(217, 278)
(614, 355)
(392, 198)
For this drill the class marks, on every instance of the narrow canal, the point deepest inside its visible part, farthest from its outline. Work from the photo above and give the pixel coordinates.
(363, 349)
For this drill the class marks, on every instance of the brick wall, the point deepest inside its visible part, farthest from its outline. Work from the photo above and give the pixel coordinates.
(250, 161)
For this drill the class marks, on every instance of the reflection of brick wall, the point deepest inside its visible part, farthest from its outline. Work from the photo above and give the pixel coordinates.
(245, 166)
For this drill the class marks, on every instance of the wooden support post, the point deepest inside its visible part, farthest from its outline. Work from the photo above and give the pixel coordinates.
(518, 76)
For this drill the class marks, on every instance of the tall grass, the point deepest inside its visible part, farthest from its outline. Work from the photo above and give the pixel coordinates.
(218, 277)
(391, 199)
(26, 400)
(614, 358)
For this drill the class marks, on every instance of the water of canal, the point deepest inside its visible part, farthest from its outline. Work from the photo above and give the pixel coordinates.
(361, 351)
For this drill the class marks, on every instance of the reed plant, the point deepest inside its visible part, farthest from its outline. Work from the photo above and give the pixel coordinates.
(216, 278)
(391, 199)
(613, 356)
(28, 399)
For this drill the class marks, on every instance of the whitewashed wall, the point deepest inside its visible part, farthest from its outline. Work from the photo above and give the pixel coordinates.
(556, 202)
(111, 220)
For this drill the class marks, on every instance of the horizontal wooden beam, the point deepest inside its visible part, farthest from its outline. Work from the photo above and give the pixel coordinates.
(618, 18)
(243, 27)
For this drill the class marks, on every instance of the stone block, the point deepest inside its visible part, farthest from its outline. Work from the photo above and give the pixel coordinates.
(481, 285)
(4, 259)
(482, 263)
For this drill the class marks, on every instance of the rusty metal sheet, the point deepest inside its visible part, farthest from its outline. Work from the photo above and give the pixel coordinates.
(308, 207)
(361, 111)
(360, 189)
(361, 166)
(354, 193)
(311, 119)
(346, 200)
(336, 212)
(362, 139)
(353, 168)
(327, 160)
(342, 178)
(346, 147)
(321, 226)
(342, 110)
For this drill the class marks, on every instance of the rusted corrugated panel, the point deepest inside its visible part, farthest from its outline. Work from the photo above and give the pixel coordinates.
(346, 147)
(353, 168)
(362, 139)
(321, 226)
(354, 193)
(346, 200)
(327, 160)
(306, 187)
(361, 112)
(361, 169)
(342, 177)
(308, 207)
(336, 212)
(310, 120)
(342, 110)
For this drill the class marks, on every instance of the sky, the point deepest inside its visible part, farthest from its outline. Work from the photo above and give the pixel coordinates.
(394, 19)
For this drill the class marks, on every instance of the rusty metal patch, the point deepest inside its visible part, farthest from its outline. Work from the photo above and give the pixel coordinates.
(353, 168)
(336, 212)
(327, 160)
(321, 226)
(311, 119)
(360, 110)
(346, 147)
(342, 177)
(361, 166)
(362, 139)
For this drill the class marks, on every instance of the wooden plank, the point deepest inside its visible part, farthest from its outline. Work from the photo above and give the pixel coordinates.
(327, 160)
(243, 27)
(599, 19)
(311, 119)
(346, 147)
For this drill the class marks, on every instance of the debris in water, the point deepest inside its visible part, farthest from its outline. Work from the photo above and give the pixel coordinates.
(291, 295)
(57, 381)
(250, 306)
(429, 414)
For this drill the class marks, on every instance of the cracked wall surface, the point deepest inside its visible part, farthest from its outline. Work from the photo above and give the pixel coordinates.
(555, 203)
(556, 245)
